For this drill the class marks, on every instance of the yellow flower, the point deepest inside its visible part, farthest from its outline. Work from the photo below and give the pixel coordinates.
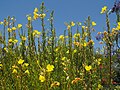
(56, 50)
(50, 68)
(72, 24)
(26, 64)
(67, 51)
(19, 26)
(104, 9)
(118, 23)
(1, 23)
(36, 10)
(20, 61)
(42, 15)
(63, 64)
(99, 86)
(54, 84)
(9, 30)
(113, 30)
(88, 68)
(29, 18)
(23, 38)
(14, 66)
(15, 41)
(76, 35)
(20, 43)
(33, 33)
(10, 40)
(1, 65)
(6, 49)
(93, 23)
(61, 37)
(41, 78)
(75, 80)
(27, 71)
(99, 59)
(85, 34)
(83, 27)
(91, 42)
(63, 58)
(118, 26)
(75, 51)
(98, 62)
(36, 32)
(68, 27)
(14, 71)
(13, 28)
(84, 44)
(36, 16)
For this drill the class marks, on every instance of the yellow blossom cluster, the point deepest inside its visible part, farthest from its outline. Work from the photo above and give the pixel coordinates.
(42, 16)
(78, 44)
(13, 41)
(23, 38)
(37, 15)
(104, 9)
(91, 42)
(24, 65)
(11, 29)
(49, 68)
(70, 25)
(36, 32)
(98, 61)
(14, 69)
(84, 43)
(76, 35)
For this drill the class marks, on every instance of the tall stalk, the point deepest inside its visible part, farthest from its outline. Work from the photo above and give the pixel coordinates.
(109, 45)
(52, 35)
(42, 8)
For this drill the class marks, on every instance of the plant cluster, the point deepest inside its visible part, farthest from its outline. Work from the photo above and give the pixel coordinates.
(40, 60)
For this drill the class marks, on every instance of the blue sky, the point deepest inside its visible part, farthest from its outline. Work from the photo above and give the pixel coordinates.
(65, 11)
